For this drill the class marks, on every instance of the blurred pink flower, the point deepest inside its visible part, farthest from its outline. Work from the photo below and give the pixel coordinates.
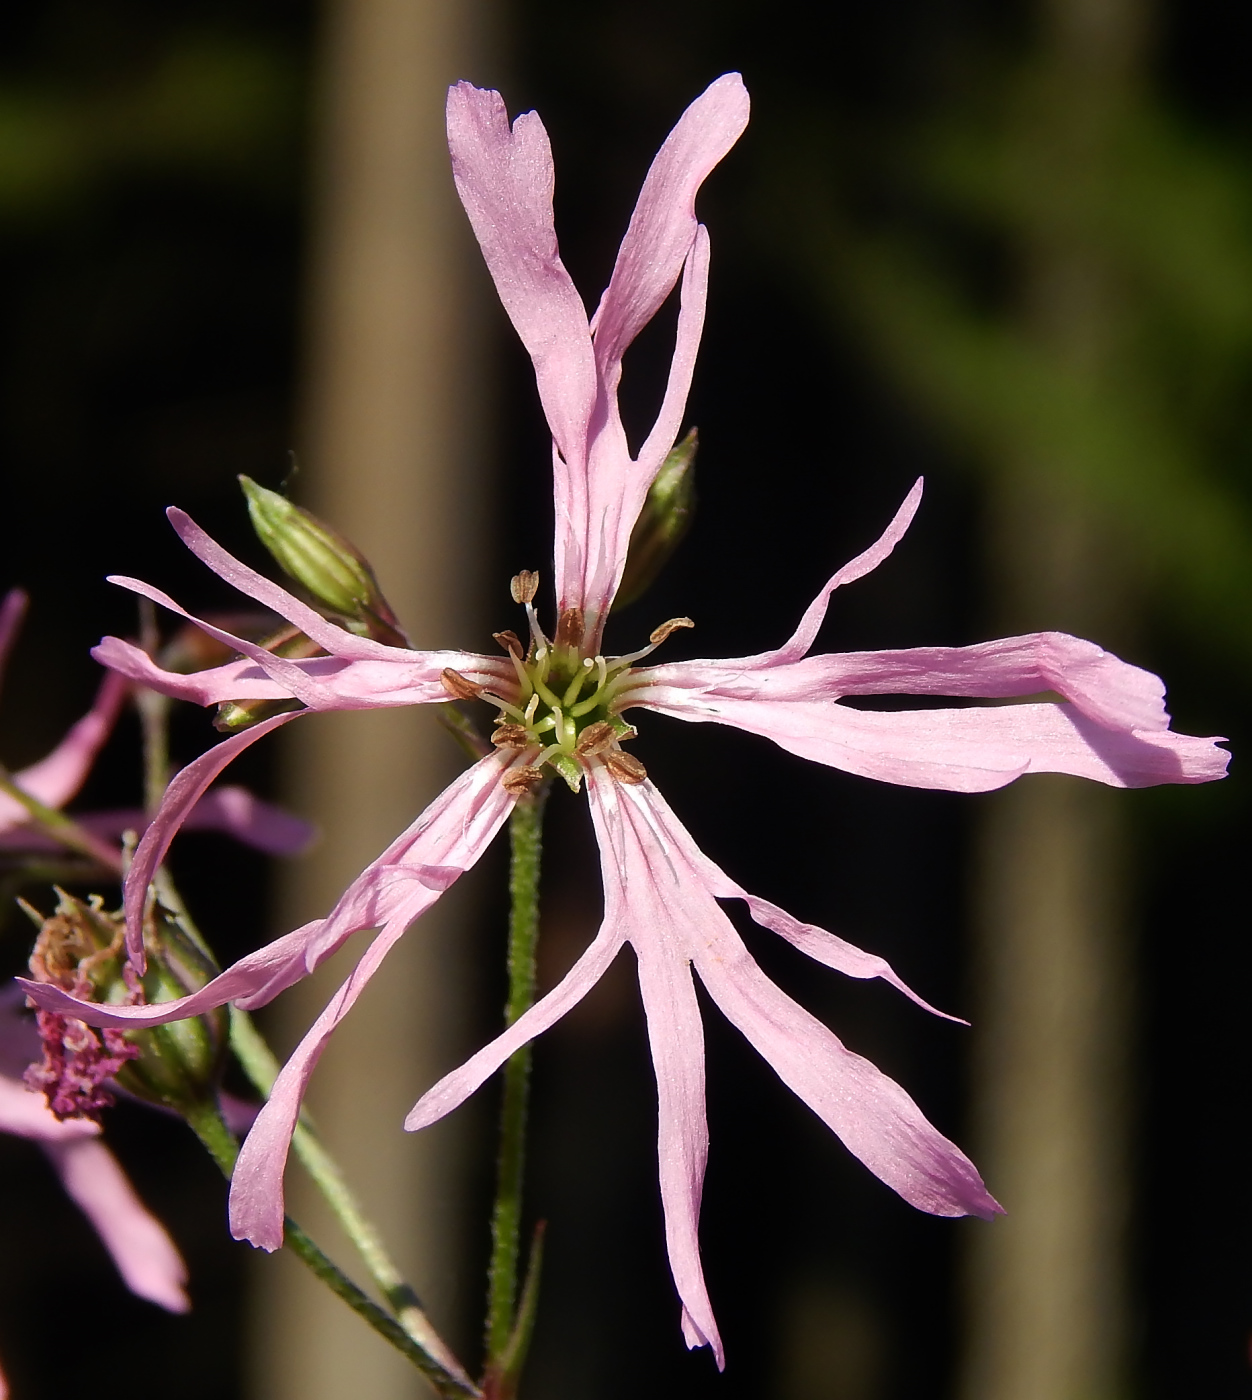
(562, 702)
(56, 779)
(146, 1257)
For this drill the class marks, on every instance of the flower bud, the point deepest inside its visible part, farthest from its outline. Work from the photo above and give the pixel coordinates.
(333, 570)
(662, 522)
(82, 949)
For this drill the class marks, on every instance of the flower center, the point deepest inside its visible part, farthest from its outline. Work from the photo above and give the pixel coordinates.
(564, 706)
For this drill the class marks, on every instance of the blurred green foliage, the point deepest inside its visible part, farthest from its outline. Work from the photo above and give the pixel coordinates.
(924, 242)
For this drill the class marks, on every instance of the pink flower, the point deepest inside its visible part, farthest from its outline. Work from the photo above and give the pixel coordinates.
(56, 779)
(561, 704)
(146, 1257)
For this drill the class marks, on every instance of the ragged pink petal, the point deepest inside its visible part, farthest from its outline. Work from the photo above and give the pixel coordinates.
(56, 778)
(663, 225)
(25, 1113)
(294, 680)
(447, 839)
(871, 1114)
(406, 678)
(505, 179)
(252, 981)
(256, 1188)
(185, 790)
(234, 811)
(967, 750)
(866, 562)
(337, 640)
(391, 894)
(146, 1257)
(617, 486)
(1102, 686)
(453, 1089)
(823, 947)
(676, 1039)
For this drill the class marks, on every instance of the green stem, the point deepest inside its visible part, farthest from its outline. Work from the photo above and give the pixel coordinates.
(154, 718)
(60, 827)
(526, 846)
(206, 1122)
(261, 1066)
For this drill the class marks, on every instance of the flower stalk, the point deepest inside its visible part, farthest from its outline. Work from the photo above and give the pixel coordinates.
(207, 1124)
(526, 851)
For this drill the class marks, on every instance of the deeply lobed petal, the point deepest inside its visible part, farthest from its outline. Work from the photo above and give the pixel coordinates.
(146, 1257)
(872, 1115)
(54, 780)
(26, 1114)
(968, 750)
(446, 840)
(662, 227)
(505, 178)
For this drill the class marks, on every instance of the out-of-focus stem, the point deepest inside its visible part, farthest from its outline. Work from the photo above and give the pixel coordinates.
(206, 1122)
(261, 1066)
(61, 828)
(526, 845)
(154, 719)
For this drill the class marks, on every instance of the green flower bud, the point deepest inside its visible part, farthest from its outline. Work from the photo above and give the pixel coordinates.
(82, 948)
(662, 522)
(332, 569)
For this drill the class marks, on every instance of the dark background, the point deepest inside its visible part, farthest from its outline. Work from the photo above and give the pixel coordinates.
(152, 218)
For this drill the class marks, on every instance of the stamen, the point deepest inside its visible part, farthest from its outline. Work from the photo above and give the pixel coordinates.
(511, 736)
(459, 686)
(511, 642)
(625, 767)
(531, 707)
(538, 640)
(594, 738)
(569, 628)
(660, 633)
(519, 781)
(493, 699)
(524, 586)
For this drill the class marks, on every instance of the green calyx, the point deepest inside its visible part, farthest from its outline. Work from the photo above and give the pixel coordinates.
(663, 521)
(81, 947)
(568, 704)
(320, 559)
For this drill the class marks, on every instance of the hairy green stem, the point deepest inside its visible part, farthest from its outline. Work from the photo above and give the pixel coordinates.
(526, 846)
(261, 1066)
(207, 1124)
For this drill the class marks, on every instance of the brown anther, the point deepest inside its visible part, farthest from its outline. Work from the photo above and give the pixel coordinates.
(518, 781)
(511, 642)
(524, 586)
(625, 767)
(511, 736)
(458, 686)
(660, 633)
(569, 628)
(594, 738)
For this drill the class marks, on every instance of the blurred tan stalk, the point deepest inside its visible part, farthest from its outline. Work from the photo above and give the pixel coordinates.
(1048, 1285)
(391, 456)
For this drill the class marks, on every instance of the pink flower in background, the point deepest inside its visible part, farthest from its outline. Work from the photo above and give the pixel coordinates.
(56, 779)
(146, 1257)
(562, 701)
